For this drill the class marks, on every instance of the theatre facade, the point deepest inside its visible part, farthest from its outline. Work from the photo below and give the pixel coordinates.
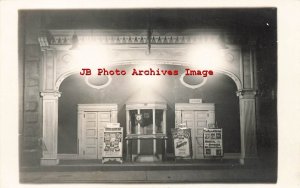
(135, 86)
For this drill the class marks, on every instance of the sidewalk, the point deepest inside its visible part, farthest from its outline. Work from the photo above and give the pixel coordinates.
(148, 173)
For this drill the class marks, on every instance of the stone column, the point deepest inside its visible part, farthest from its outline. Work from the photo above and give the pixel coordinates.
(248, 124)
(50, 127)
(50, 97)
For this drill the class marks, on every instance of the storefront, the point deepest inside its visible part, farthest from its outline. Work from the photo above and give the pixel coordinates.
(142, 95)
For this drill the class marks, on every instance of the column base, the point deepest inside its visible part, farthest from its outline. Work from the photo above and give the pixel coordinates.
(49, 162)
(147, 158)
(249, 160)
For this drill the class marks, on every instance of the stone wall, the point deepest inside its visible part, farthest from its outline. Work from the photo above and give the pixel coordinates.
(31, 127)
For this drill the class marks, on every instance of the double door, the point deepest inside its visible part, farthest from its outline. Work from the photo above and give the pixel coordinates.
(196, 118)
(91, 132)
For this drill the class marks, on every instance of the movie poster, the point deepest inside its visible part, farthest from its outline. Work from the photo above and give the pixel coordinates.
(112, 143)
(182, 142)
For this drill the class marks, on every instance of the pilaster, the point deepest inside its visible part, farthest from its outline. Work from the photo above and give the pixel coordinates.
(50, 128)
(248, 124)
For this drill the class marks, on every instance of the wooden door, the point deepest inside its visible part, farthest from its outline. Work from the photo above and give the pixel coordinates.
(188, 117)
(103, 119)
(93, 134)
(196, 121)
(200, 123)
(90, 136)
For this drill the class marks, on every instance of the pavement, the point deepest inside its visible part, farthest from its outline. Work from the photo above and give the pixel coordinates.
(179, 172)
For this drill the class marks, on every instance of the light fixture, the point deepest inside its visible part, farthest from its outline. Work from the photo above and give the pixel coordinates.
(89, 54)
(206, 55)
(74, 42)
(92, 55)
(149, 33)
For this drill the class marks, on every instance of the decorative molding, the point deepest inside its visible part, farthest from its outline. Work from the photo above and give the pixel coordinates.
(192, 86)
(246, 94)
(123, 39)
(234, 77)
(193, 106)
(98, 86)
(50, 94)
(63, 76)
(59, 38)
(43, 40)
(97, 107)
(135, 106)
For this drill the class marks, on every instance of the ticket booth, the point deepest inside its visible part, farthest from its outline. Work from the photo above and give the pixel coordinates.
(146, 131)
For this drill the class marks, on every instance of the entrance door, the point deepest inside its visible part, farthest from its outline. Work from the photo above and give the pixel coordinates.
(188, 117)
(196, 121)
(92, 138)
(91, 142)
(103, 119)
(200, 123)
(90, 135)
(92, 119)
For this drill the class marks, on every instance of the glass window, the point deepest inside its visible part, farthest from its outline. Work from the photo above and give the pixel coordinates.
(147, 122)
(159, 121)
(133, 122)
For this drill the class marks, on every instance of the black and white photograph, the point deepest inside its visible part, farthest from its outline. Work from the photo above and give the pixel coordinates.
(208, 68)
(148, 96)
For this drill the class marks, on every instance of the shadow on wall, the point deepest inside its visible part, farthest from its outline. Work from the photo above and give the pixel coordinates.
(219, 89)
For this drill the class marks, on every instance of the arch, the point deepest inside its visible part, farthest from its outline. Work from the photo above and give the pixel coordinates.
(234, 77)
(63, 76)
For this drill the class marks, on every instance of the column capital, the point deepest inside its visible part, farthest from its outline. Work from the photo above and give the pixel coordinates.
(246, 94)
(50, 94)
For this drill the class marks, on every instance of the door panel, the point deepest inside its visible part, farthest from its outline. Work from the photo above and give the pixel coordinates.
(90, 151)
(188, 117)
(103, 119)
(90, 135)
(93, 134)
(91, 141)
(91, 124)
(196, 120)
(200, 123)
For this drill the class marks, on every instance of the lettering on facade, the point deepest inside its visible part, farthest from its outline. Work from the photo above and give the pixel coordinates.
(145, 72)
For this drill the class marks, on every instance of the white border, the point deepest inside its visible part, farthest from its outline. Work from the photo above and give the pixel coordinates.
(288, 81)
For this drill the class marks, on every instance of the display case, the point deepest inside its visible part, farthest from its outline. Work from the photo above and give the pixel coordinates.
(146, 131)
(113, 143)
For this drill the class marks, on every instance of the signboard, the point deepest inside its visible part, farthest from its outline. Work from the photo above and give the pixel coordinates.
(195, 101)
(182, 142)
(112, 147)
(181, 125)
(113, 125)
(213, 143)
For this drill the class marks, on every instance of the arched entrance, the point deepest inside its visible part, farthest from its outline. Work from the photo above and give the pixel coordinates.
(219, 89)
(55, 71)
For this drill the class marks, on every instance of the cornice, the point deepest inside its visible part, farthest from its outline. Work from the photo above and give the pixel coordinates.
(57, 39)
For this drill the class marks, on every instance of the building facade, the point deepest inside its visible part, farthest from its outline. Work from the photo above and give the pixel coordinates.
(158, 63)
